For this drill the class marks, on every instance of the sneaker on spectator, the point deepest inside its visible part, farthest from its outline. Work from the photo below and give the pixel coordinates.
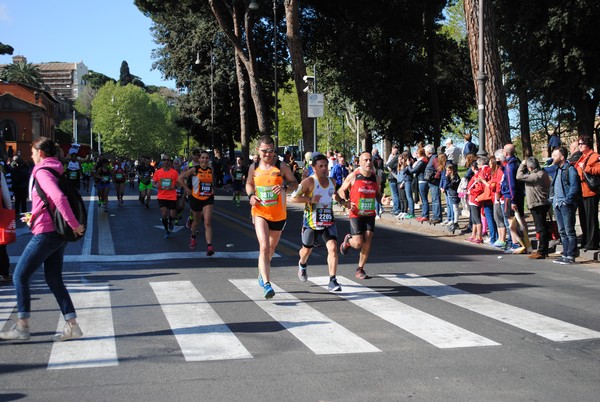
(567, 261)
(71, 331)
(559, 260)
(499, 244)
(520, 250)
(16, 332)
(537, 256)
(409, 216)
(487, 240)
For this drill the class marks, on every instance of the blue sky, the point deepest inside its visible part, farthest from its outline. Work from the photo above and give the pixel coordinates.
(100, 33)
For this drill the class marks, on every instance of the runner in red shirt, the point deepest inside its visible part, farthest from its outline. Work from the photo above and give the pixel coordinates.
(165, 180)
(365, 188)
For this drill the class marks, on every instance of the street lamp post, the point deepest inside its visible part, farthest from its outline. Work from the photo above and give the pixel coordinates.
(275, 75)
(481, 79)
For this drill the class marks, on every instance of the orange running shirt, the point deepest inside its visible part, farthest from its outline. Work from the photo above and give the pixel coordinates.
(202, 183)
(272, 207)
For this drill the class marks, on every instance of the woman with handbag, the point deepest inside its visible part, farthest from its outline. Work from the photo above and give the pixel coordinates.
(5, 277)
(45, 247)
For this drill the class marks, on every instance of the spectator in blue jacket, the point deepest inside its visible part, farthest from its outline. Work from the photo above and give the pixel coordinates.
(565, 192)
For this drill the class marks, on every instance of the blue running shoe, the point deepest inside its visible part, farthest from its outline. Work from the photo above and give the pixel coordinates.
(167, 235)
(269, 292)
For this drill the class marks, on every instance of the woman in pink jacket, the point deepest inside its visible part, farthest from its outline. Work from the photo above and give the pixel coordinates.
(45, 247)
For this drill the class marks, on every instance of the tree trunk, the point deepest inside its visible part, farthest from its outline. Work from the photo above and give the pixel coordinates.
(230, 24)
(496, 112)
(524, 121)
(243, 95)
(294, 42)
(428, 22)
(585, 109)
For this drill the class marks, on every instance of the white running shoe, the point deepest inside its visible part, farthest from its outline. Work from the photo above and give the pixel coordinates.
(71, 331)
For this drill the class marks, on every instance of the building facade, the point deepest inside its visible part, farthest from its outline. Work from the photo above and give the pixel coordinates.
(26, 113)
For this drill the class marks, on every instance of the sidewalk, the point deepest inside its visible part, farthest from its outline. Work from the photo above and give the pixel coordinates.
(412, 224)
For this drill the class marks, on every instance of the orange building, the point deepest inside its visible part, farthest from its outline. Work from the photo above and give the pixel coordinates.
(26, 113)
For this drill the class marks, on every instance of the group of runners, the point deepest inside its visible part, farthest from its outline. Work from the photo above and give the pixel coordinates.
(267, 181)
(267, 184)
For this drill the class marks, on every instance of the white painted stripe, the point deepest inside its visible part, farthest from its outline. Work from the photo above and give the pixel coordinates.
(188, 255)
(437, 332)
(89, 225)
(97, 347)
(8, 302)
(202, 335)
(105, 240)
(314, 329)
(529, 321)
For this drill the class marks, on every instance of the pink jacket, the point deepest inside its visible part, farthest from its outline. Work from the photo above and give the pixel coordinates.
(42, 221)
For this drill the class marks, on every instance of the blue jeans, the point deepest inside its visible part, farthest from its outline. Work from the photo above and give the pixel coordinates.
(436, 201)
(395, 200)
(47, 249)
(409, 197)
(488, 210)
(565, 220)
(424, 192)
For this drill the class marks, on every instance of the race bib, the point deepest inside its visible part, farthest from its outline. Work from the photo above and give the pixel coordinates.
(366, 206)
(73, 174)
(324, 217)
(165, 183)
(239, 176)
(105, 179)
(119, 176)
(205, 188)
(266, 194)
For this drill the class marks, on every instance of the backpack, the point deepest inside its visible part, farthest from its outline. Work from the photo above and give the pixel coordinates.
(61, 226)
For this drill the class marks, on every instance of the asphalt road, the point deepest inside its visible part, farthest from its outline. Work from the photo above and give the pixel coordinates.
(440, 320)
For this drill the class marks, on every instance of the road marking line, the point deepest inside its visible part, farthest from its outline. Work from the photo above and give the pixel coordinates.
(188, 255)
(202, 335)
(97, 347)
(436, 331)
(314, 329)
(544, 326)
(8, 302)
(86, 249)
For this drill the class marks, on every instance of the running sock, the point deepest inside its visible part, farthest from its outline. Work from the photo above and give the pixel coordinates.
(303, 265)
(332, 277)
(165, 223)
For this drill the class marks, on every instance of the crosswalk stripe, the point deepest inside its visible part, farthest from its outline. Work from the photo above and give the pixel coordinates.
(437, 332)
(547, 327)
(97, 347)
(314, 329)
(202, 335)
(8, 302)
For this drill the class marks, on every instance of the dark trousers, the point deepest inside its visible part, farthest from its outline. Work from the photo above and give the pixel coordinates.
(4, 261)
(402, 200)
(540, 214)
(21, 195)
(588, 216)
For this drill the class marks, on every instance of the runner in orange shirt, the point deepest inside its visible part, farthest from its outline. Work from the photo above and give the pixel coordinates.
(197, 182)
(165, 180)
(267, 194)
